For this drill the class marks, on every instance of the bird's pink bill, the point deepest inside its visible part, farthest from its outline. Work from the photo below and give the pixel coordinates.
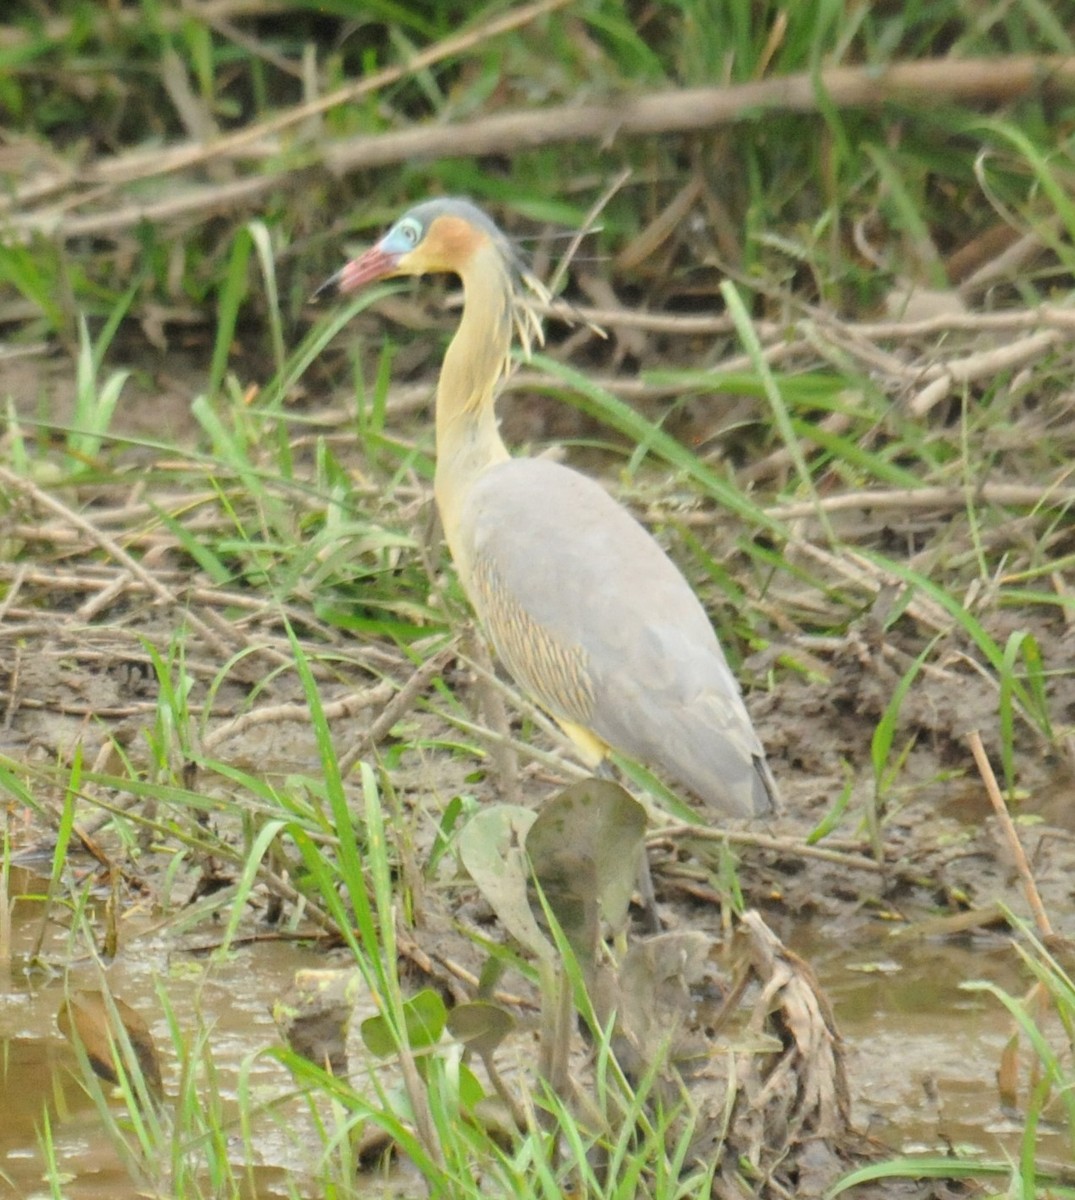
(370, 266)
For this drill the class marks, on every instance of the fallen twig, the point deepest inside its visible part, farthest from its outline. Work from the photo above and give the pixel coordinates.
(345, 706)
(1009, 837)
(401, 703)
(680, 110)
(685, 110)
(111, 547)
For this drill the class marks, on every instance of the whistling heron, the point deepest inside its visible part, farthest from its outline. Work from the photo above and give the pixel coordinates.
(582, 605)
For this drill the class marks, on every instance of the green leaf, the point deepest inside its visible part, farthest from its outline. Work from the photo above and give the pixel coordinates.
(586, 850)
(424, 1020)
(491, 850)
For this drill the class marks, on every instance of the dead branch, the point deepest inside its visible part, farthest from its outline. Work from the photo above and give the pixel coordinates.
(687, 110)
(680, 110)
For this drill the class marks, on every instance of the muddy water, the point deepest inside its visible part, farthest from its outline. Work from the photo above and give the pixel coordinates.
(230, 998)
(922, 1052)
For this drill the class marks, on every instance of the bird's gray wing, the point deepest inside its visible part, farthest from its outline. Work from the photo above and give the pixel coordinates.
(593, 619)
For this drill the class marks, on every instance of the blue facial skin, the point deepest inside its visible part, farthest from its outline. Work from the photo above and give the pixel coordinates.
(409, 230)
(402, 238)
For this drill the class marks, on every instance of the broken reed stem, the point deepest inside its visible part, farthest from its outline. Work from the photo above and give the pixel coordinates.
(657, 113)
(38, 496)
(686, 110)
(1011, 838)
(400, 704)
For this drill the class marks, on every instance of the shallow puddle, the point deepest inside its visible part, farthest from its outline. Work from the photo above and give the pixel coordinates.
(922, 1052)
(225, 999)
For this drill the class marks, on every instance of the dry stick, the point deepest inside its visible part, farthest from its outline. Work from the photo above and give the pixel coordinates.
(981, 365)
(95, 578)
(825, 337)
(221, 22)
(8, 601)
(1008, 263)
(762, 841)
(668, 222)
(139, 166)
(560, 764)
(780, 460)
(684, 110)
(680, 110)
(1016, 494)
(257, 608)
(1011, 838)
(394, 709)
(859, 572)
(118, 218)
(336, 710)
(599, 205)
(228, 629)
(97, 603)
(112, 548)
(1051, 315)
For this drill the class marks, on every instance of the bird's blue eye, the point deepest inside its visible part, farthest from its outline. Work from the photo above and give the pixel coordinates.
(410, 231)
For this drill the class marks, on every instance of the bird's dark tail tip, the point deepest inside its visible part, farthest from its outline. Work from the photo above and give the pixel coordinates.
(766, 795)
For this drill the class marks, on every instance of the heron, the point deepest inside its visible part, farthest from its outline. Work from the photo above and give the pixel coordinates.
(582, 605)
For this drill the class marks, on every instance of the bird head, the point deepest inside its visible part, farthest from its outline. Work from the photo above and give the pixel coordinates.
(447, 236)
(439, 236)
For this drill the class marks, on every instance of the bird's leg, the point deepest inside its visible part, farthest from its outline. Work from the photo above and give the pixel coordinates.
(651, 922)
(501, 751)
